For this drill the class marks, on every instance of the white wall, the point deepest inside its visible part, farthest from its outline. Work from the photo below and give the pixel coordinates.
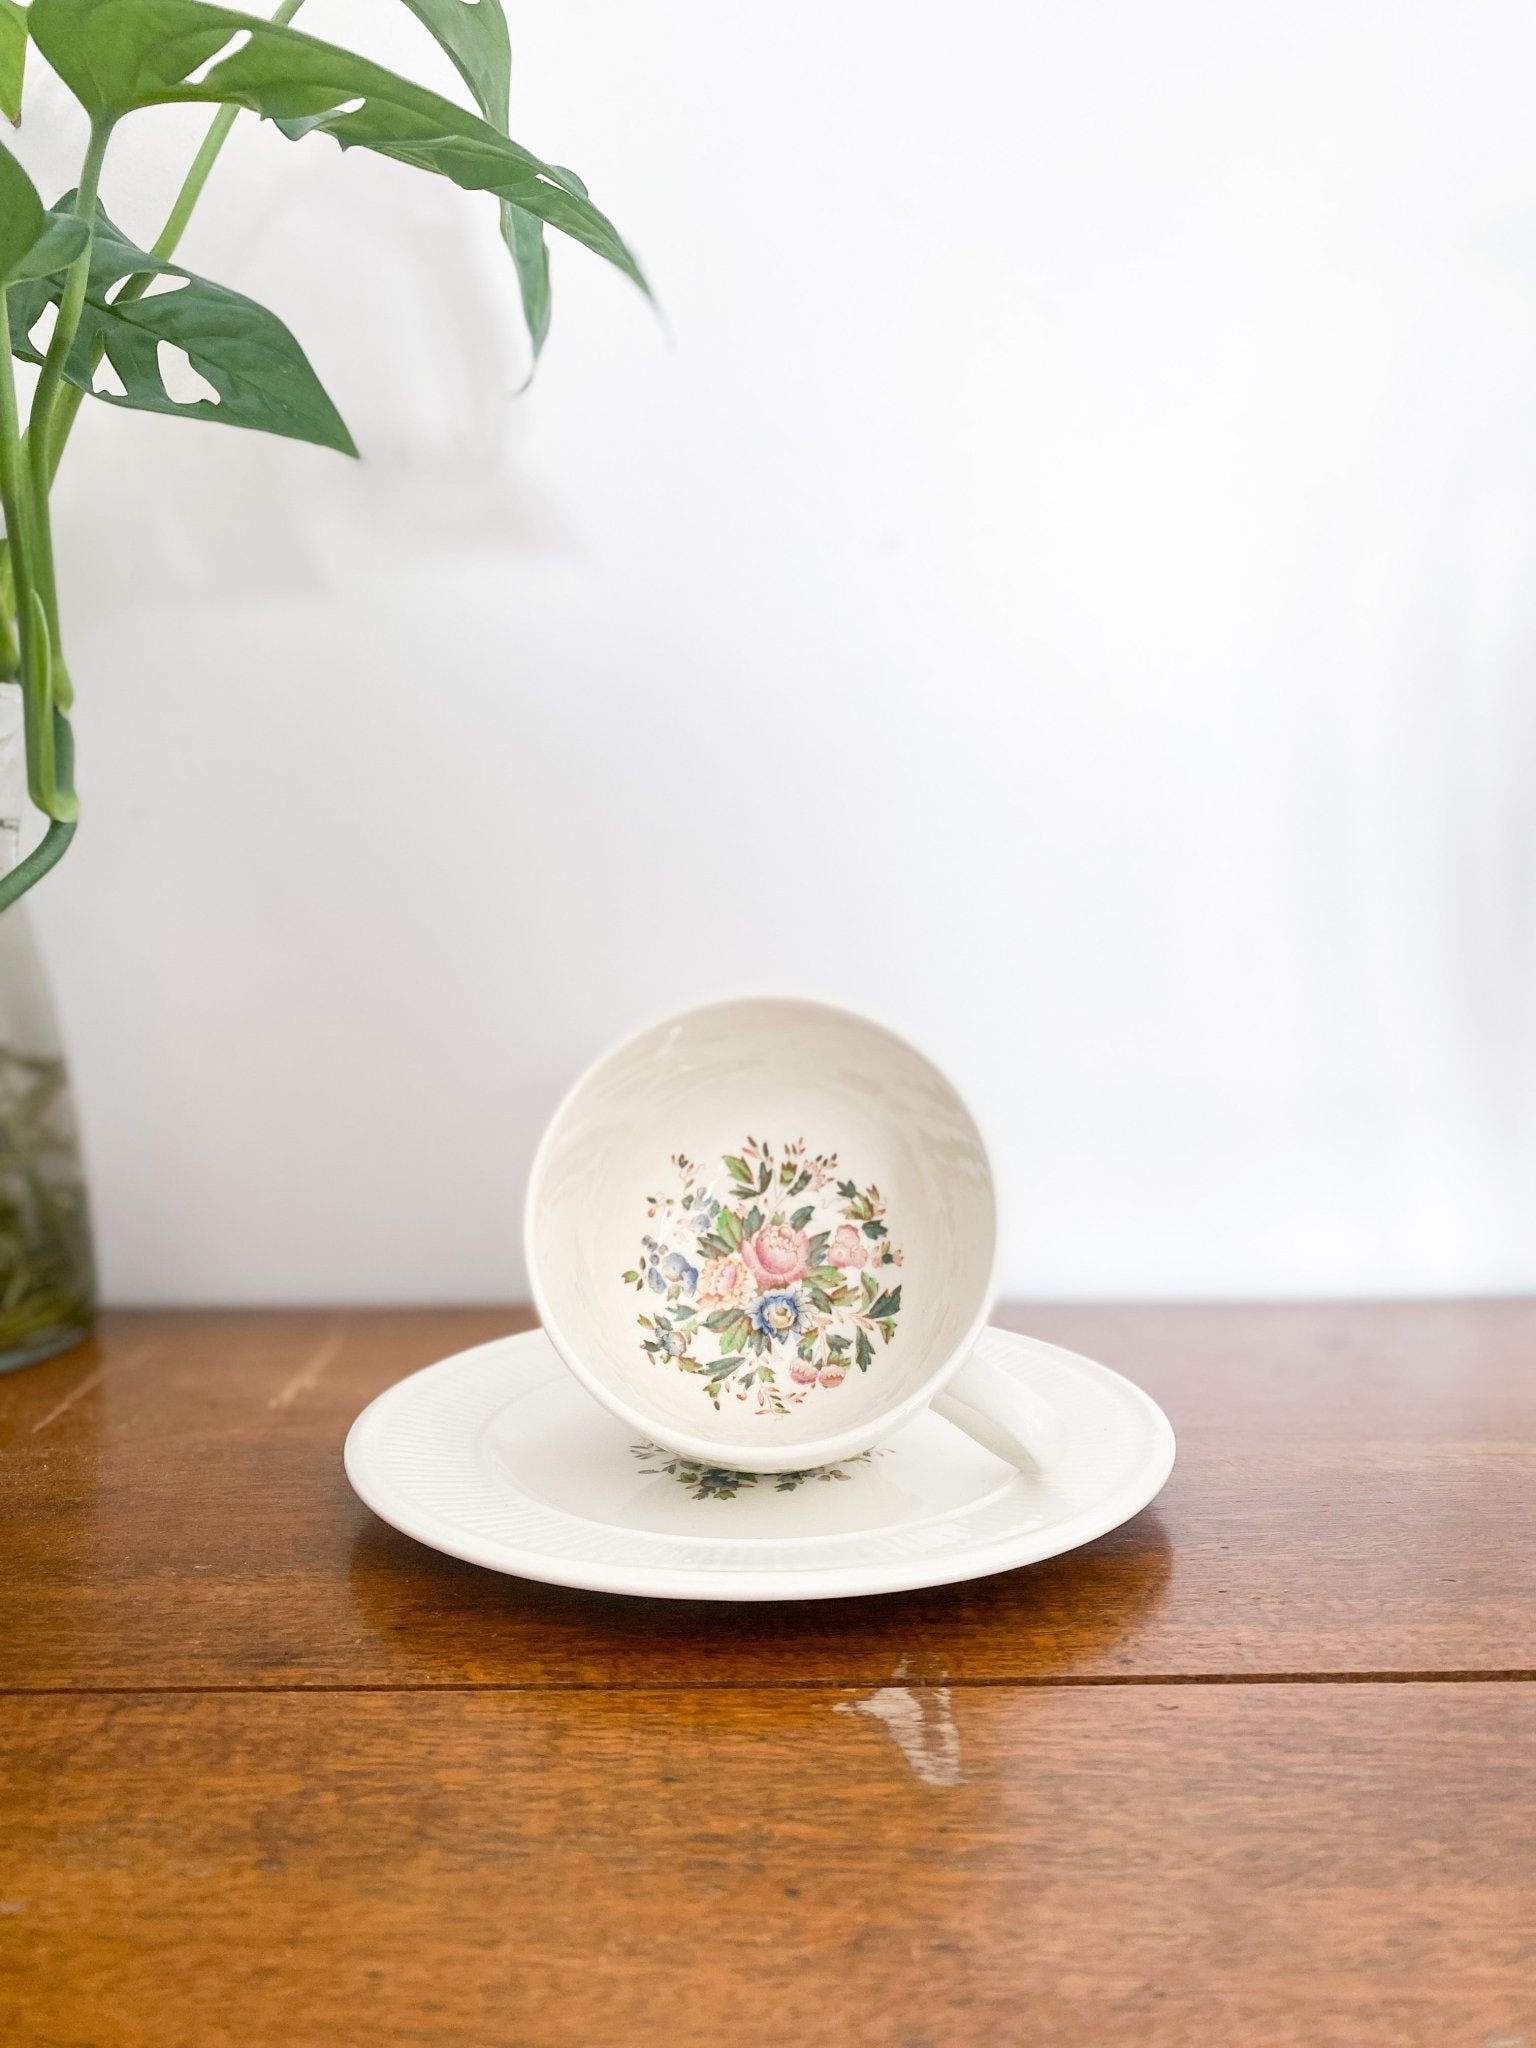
(1081, 511)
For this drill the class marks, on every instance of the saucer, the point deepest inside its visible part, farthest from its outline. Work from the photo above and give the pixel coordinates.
(499, 1456)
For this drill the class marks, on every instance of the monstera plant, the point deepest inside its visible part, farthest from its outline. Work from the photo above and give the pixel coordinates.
(123, 58)
(113, 307)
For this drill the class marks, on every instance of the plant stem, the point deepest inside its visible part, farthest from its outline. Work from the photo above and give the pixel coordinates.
(164, 244)
(11, 482)
(13, 498)
(48, 852)
(33, 650)
(39, 431)
(45, 679)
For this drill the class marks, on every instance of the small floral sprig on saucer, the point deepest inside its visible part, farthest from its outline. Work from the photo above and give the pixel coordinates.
(775, 1275)
(715, 1482)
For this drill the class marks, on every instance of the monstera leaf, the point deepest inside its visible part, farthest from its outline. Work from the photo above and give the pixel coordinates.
(118, 58)
(475, 40)
(13, 57)
(474, 37)
(262, 376)
(32, 243)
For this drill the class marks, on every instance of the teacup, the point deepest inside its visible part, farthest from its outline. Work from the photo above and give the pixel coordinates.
(763, 1233)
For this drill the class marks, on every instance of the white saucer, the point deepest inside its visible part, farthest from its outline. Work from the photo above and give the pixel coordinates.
(500, 1457)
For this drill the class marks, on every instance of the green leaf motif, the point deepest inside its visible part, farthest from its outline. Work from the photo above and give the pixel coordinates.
(864, 1352)
(13, 57)
(802, 1216)
(262, 376)
(118, 58)
(887, 1305)
(728, 1224)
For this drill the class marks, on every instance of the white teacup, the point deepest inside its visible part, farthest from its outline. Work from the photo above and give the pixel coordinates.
(763, 1233)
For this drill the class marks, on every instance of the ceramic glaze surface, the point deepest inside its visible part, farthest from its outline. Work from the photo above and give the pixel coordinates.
(800, 1207)
(498, 1456)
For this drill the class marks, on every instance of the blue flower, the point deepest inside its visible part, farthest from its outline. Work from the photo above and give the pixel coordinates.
(673, 1342)
(676, 1267)
(653, 1274)
(777, 1316)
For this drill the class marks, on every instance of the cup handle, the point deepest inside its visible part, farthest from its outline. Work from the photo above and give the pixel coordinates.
(991, 1405)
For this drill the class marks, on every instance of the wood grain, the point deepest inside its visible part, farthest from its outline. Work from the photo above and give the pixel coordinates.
(1353, 1495)
(1287, 1866)
(331, 1788)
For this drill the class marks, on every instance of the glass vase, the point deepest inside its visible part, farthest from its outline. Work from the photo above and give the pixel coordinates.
(47, 1273)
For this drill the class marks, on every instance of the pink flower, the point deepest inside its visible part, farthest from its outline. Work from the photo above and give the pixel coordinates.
(833, 1375)
(776, 1257)
(847, 1247)
(803, 1373)
(723, 1281)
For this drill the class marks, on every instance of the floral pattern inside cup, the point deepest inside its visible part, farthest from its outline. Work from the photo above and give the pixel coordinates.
(770, 1276)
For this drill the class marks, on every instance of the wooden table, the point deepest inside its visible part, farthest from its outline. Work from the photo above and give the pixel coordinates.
(1257, 1770)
